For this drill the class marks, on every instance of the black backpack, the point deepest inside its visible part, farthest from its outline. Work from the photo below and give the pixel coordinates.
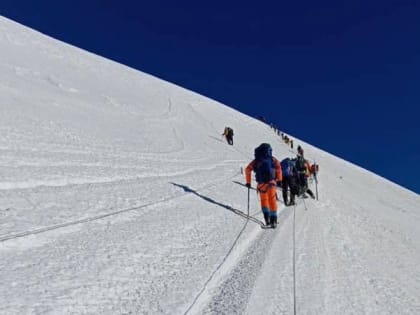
(300, 164)
(264, 165)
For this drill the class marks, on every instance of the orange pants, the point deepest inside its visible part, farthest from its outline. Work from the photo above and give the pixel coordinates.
(268, 196)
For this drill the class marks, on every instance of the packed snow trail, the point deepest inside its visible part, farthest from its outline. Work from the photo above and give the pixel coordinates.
(233, 295)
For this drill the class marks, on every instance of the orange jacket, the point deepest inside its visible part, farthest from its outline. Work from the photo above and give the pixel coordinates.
(250, 168)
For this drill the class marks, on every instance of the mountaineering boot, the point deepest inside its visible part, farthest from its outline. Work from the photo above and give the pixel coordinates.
(273, 221)
(310, 193)
(285, 199)
(292, 201)
(266, 219)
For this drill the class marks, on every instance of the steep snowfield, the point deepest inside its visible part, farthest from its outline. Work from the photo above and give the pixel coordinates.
(118, 195)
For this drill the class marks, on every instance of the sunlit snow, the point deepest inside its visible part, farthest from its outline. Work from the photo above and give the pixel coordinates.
(118, 195)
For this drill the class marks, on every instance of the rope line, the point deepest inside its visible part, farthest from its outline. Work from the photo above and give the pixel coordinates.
(12, 236)
(217, 268)
(294, 259)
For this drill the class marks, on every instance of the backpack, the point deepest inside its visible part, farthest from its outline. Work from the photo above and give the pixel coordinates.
(264, 165)
(300, 164)
(287, 167)
(230, 132)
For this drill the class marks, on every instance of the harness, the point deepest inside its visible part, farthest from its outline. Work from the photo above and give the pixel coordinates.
(264, 187)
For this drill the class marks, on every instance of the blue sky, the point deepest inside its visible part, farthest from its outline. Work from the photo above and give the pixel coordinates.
(343, 76)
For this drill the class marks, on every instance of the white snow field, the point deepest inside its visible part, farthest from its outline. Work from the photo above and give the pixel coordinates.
(118, 195)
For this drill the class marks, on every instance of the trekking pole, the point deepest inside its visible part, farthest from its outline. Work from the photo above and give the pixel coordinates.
(294, 259)
(248, 200)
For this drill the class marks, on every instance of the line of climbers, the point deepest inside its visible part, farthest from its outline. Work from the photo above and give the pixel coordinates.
(284, 137)
(287, 140)
(278, 132)
(291, 174)
(228, 134)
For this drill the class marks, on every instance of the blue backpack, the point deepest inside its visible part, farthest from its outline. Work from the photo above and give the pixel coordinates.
(287, 167)
(264, 165)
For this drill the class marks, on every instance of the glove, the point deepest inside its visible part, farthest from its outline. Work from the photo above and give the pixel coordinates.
(279, 183)
(248, 185)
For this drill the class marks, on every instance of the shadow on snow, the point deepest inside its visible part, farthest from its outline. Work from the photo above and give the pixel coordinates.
(236, 211)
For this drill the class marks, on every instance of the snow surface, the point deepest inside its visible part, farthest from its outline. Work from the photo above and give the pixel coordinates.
(118, 195)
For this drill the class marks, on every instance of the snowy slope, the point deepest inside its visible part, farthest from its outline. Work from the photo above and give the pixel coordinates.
(119, 196)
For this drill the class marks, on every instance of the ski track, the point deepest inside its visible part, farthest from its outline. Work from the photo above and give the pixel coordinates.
(160, 280)
(30, 200)
(104, 215)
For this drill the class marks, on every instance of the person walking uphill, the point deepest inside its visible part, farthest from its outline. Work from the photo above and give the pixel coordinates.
(290, 181)
(268, 175)
(228, 133)
(303, 168)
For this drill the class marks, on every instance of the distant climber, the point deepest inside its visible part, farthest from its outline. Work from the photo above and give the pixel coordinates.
(228, 133)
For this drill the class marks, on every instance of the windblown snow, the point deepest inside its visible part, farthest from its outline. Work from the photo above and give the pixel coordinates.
(118, 195)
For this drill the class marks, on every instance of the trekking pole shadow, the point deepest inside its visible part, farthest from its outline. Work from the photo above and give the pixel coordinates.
(236, 211)
(220, 140)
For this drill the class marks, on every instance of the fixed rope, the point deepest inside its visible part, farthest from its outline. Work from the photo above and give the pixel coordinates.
(294, 259)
